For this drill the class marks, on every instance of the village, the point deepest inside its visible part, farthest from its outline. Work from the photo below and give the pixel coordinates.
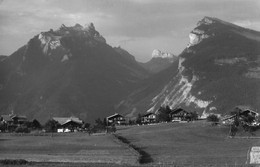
(242, 117)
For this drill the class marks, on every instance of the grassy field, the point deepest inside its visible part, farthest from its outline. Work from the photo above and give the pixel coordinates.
(70, 147)
(189, 144)
(172, 144)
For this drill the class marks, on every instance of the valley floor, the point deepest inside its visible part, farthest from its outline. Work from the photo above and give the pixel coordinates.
(172, 144)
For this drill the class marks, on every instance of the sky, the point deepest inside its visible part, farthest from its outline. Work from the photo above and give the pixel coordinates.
(139, 26)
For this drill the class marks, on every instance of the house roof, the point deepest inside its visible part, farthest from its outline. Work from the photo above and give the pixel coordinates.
(114, 115)
(178, 110)
(249, 111)
(6, 118)
(64, 120)
(20, 117)
(147, 114)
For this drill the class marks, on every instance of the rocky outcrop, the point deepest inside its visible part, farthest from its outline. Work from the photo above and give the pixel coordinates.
(159, 54)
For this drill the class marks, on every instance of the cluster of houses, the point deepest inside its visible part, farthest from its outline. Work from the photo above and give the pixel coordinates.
(71, 124)
(175, 115)
(66, 124)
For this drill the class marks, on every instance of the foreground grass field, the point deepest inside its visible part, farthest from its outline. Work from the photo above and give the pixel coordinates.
(172, 144)
(190, 144)
(71, 147)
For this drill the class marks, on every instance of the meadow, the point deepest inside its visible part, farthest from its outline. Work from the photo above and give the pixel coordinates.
(191, 144)
(75, 148)
(171, 144)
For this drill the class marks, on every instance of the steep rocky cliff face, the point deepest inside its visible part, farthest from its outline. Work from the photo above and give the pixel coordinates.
(159, 62)
(217, 71)
(67, 72)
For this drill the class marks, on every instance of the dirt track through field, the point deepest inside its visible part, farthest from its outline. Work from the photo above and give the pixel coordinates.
(144, 157)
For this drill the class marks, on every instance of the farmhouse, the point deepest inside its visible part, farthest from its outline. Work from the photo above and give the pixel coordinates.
(68, 124)
(178, 114)
(116, 119)
(148, 118)
(241, 113)
(12, 121)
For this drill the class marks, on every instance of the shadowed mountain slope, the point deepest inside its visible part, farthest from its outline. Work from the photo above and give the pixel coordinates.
(71, 71)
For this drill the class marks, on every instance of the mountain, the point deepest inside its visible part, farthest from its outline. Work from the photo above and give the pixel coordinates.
(71, 71)
(218, 70)
(160, 61)
(2, 57)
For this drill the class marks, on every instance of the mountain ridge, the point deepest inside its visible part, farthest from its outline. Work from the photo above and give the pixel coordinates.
(218, 63)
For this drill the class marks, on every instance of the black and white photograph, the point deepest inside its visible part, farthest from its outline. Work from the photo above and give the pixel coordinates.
(129, 83)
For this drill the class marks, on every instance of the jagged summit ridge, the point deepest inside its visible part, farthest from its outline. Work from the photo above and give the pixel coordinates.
(61, 40)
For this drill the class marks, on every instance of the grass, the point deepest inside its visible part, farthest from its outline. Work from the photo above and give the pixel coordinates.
(71, 148)
(185, 144)
(172, 144)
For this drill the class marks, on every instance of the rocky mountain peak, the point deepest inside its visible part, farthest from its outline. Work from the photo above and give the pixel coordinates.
(208, 21)
(66, 39)
(157, 53)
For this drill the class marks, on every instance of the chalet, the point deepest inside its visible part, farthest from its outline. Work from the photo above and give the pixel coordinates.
(116, 119)
(178, 114)
(19, 119)
(148, 118)
(242, 113)
(68, 124)
(12, 121)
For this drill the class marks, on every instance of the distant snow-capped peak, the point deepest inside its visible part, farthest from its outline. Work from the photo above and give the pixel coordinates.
(157, 53)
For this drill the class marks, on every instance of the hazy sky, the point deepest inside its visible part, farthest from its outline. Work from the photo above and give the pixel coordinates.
(139, 26)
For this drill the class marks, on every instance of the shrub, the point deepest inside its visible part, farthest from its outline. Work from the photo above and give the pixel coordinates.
(22, 129)
(51, 126)
(213, 118)
(13, 162)
(139, 119)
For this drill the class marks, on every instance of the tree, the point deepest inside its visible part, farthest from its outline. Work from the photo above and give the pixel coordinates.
(22, 129)
(163, 114)
(3, 127)
(36, 124)
(51, 125)
(99, 125)
(86, 125)
(213, 118)
(139, 119)
(194, 115)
